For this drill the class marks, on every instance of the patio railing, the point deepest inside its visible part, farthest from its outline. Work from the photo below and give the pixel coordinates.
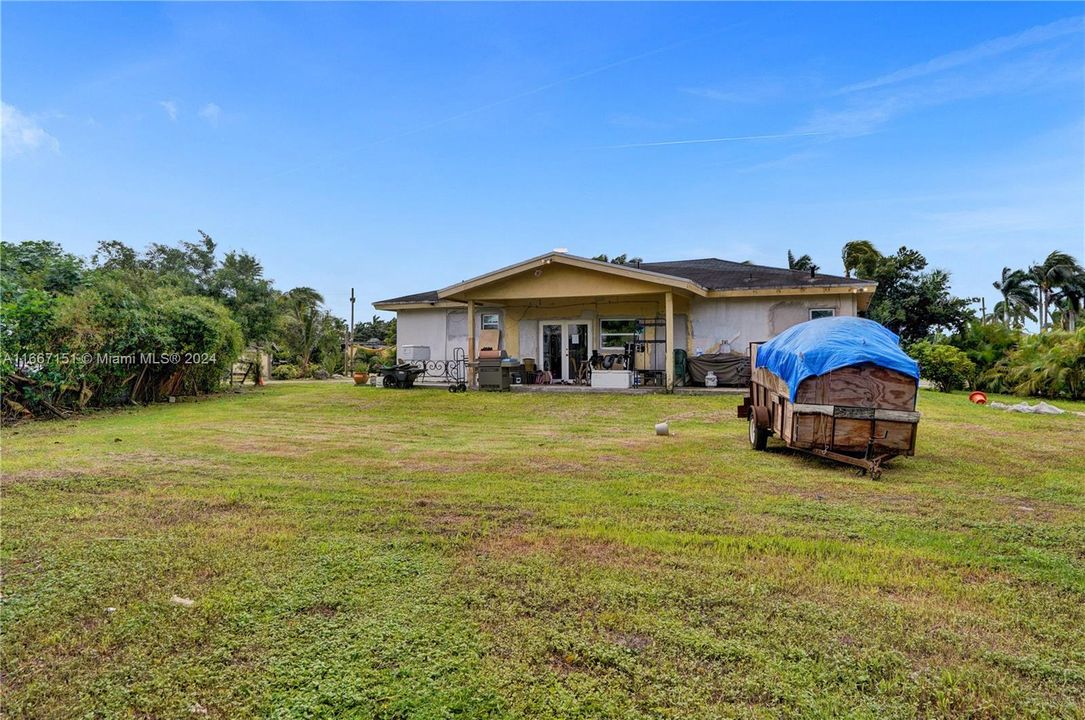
(444, 371)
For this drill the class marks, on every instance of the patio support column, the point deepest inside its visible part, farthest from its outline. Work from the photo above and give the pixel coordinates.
(669, 363)
(470, 343)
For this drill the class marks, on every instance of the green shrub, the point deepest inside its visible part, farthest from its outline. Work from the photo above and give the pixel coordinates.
(1049, 364)
(944, 365)
(193, 339)
(203, 334)
(985, 344)
(114, 340)
(286, 371)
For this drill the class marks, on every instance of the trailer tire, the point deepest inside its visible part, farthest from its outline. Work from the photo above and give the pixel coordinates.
(390, 382)
(759, 432)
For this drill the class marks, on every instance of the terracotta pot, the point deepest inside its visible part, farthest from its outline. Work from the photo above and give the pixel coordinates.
(361, 378)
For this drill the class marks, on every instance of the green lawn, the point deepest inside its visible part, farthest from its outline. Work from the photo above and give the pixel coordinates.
(360, 552)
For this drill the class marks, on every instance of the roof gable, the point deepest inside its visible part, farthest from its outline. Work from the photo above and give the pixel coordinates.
(537, 265)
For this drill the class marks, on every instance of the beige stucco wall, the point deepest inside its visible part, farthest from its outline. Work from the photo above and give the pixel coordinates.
(704, 324)
(422, 327)
(719, 325)
(559, 281)
(442, 330)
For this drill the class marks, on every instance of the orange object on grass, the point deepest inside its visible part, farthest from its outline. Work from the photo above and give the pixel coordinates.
(978, 397)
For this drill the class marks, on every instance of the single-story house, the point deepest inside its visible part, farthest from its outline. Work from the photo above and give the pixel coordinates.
(559, 308)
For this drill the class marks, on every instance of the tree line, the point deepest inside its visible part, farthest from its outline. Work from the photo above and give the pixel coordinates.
(957, 348)
(131, 326)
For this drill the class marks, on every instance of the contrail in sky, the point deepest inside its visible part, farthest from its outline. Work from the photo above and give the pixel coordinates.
(502, 101)
(709, 140)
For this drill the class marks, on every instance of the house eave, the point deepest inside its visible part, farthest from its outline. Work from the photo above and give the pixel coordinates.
(854, 288)
(422, 305)
(574, 261)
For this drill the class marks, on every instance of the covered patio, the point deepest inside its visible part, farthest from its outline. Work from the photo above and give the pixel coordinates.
(559, 319)
(561, 315)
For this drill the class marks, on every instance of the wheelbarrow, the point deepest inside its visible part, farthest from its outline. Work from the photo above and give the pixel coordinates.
(402, 375)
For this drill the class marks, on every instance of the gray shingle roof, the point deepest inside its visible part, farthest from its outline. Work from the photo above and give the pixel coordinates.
(716, 274)
(711, 273)
(422, 297)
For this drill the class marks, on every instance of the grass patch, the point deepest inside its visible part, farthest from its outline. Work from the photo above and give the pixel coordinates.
(356, 552)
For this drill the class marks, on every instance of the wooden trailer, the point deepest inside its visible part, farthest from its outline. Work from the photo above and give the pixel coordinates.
(862, 414)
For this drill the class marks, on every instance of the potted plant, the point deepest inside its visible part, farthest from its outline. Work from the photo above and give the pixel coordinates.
(361, 372)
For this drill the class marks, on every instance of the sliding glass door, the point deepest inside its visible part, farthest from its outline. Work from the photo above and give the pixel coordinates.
(566, 347)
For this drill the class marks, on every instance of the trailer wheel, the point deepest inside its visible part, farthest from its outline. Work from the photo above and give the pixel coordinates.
(390, 382)
(759, 433)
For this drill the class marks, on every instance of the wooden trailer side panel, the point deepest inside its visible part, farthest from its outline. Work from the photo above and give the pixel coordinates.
(865, 385)
(817, 430)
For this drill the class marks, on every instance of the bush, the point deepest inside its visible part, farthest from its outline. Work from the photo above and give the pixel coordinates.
(944, 365)
(985, 344)
(286, 371)
(1049, 364)
(200, 328)
(113, 341)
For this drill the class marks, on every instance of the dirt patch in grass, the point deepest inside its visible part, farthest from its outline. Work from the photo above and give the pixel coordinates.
(630, 640)
(519, 543)
(437, 462)
(59, 479)
(459, 520)
(188, 512)
(562, 663)
(710, 416)
(273, 446)
(320, 609)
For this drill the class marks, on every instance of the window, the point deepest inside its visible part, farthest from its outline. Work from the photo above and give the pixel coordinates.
(491, 321)
(615, 333)
(816, 313)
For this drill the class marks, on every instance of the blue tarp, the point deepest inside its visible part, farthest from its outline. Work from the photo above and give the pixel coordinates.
(818, 346)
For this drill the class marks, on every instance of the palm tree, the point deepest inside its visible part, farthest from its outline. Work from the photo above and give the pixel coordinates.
(303, 304)
(803, 263)
(1018, 300)
(622, 259)
(1058, 269)
(1069, 300)
(1013, 316)
(860, 256)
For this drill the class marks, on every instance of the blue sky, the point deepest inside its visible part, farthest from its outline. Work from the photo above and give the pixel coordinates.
(402, 147)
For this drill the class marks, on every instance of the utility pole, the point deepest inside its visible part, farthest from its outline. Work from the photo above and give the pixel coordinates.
(350, 339)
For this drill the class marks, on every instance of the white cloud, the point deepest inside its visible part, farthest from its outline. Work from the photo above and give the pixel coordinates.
(22, 133)
(171, 107)
(211, 113)
(863, 114)
(702, 141)
(988, 49)
(636, 122)
(750, 91)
